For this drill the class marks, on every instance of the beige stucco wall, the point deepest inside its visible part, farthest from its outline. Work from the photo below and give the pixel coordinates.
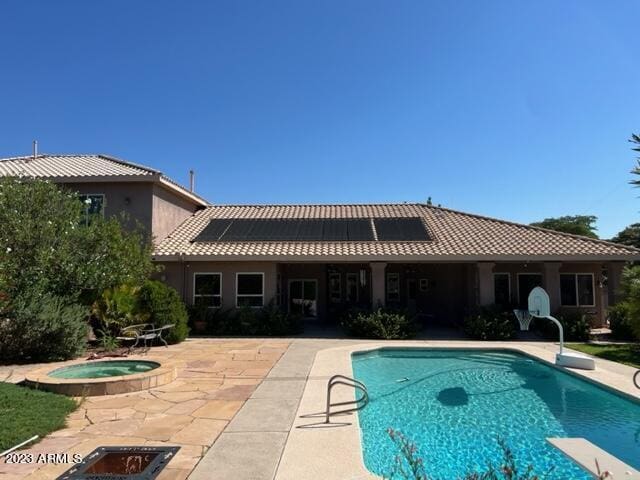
(132, 198)
(169, 211)
(157, 209)
(180, 277)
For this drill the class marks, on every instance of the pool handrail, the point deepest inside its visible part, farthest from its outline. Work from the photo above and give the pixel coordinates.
(359, 403)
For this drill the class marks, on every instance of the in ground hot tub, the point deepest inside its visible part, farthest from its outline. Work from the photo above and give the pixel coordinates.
(108, 368)
(105, 377)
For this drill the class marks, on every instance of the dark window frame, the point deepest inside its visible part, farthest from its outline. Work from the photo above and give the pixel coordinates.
(576, 285)
(213, 296)
(249, 295)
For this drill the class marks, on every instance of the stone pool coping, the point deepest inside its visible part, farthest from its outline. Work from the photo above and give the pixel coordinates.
(91, 387)
(314, 450)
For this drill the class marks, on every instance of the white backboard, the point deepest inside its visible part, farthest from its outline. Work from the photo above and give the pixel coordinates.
(539, 305)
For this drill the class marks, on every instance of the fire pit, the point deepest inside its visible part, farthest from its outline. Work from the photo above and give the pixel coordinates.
(122, 463)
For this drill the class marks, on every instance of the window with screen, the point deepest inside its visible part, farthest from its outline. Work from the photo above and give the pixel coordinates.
(577, 290)
(249, 289)
(207, 289)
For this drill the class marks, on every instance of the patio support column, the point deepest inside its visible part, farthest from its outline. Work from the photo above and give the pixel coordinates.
(377, 284)
(486, 287)
(551, 283)
(614, 277)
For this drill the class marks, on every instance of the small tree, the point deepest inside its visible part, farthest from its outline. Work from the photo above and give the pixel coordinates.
(54, 262)
(575, 224)
(47, 246)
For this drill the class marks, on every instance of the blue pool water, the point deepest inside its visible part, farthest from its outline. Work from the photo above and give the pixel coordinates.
(454, 404)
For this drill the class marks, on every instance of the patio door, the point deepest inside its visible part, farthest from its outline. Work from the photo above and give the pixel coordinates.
(303, 297)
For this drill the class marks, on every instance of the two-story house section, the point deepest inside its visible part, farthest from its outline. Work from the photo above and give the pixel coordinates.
(112, 186)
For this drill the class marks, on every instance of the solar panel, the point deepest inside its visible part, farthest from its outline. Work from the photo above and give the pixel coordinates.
(312, 230)
(213, 231)
(359, 229)
(409, 229)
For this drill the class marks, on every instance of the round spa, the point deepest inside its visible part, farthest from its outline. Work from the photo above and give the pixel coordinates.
(105, 377)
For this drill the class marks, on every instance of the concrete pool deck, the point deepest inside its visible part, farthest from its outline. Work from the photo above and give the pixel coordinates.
(314, 450)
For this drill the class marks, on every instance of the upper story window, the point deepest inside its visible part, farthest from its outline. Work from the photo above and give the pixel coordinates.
(576, 290)
(93, 203)
(249, 289)
(207, 289)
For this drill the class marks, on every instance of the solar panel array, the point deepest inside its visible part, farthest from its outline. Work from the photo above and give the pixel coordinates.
(312, 230)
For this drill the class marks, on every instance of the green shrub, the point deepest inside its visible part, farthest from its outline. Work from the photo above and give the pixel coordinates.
(620, 322)
(267, 321)
(118, 307)
(379, 324)
(491, 323)
(575, 324)
(275, 322)
(43, 327)
(164, 306)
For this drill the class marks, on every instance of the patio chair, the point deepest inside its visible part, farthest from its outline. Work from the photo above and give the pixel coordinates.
(153, 333)
(145, 332)
(133, 333)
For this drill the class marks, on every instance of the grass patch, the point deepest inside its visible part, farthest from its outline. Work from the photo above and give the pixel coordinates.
(26, 412)
(627, 353)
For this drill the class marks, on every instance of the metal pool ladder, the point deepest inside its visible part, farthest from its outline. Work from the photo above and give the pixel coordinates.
(358, 403)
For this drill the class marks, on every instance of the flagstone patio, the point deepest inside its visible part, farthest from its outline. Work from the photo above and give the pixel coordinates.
(214, 379)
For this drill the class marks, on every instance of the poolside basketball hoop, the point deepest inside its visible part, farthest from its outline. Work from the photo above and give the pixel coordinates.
(540, 307)
(524, 319)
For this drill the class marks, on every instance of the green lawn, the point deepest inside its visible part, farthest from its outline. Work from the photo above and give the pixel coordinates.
(25, 412)
(627, 353)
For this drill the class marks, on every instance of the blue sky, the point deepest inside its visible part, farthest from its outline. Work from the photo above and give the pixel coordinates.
(517, 110)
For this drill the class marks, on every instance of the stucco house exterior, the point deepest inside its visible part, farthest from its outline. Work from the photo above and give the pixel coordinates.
(435, 262)
(318, 260)
(113, 186)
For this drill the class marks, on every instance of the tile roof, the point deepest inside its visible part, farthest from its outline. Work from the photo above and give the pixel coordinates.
(74, 168)
(455, 236)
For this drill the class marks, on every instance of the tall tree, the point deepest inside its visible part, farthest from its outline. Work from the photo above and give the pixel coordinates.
(629, 236)
(575, 224)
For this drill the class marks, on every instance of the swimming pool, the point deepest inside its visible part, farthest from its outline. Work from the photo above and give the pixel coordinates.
(455, 403)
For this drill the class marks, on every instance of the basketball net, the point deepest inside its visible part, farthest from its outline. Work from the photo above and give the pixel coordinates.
(524, 319)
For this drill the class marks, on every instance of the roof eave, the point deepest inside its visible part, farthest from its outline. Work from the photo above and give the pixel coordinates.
(183, 192)
(397, 258)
